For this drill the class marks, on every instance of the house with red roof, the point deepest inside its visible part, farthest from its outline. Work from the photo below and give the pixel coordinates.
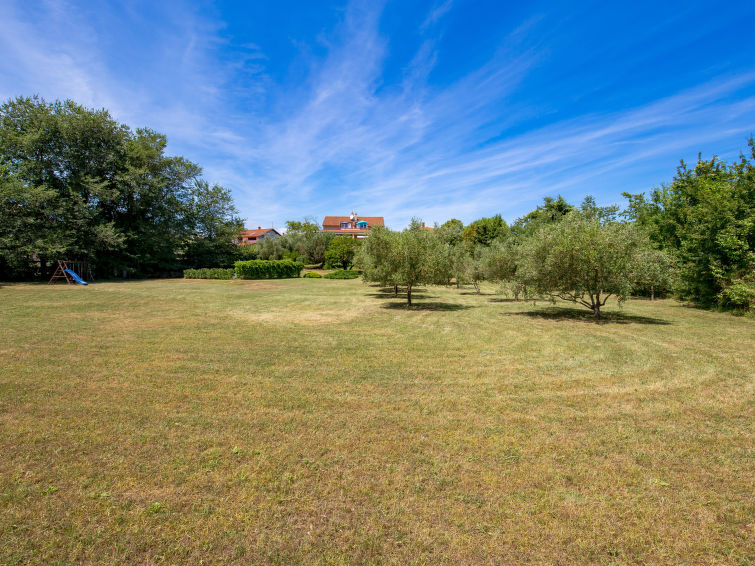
(248, 237)
(353, 225)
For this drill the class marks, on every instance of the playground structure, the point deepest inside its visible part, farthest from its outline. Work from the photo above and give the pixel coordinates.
(71, 272)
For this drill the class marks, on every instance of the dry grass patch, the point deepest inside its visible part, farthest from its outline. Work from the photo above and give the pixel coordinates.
(311, 421)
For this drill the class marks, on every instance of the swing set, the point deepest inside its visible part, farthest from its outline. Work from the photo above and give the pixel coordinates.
(70, 271)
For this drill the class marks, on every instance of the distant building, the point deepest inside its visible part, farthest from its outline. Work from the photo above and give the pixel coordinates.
(426, 227)
(353, 225)
(253, 236)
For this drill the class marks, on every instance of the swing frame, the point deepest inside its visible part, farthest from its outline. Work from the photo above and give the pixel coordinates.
(81, 268)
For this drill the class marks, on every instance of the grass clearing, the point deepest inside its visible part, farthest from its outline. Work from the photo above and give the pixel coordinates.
(320, 421)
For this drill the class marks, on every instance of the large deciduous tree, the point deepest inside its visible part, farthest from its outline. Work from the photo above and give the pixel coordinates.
(76, 184)
(483, 231)
(706, 218)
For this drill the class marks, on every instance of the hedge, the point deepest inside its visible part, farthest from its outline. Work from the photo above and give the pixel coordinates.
(209, 273)
(268, 269)
(343, 274)
(312, 275)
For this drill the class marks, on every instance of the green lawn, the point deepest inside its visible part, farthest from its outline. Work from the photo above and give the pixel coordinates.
(319, 421)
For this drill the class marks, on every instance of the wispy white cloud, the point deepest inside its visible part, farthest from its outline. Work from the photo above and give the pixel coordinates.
(418, 151)
(343, 139)
(436, 14)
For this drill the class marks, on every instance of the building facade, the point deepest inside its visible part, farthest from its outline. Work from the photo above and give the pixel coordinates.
(353, 225)
(248, 237)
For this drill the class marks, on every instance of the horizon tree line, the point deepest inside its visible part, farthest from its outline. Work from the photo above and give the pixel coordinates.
(76, 184)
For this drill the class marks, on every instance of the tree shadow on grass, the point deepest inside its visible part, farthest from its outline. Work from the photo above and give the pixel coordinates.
(474, 293)
(432, 306)
(400, 295)
(401, 289)
(583, 315)
(387, 293)
(504, 300)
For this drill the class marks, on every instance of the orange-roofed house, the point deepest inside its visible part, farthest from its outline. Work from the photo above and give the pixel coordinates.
(248, 237)
(353, 225)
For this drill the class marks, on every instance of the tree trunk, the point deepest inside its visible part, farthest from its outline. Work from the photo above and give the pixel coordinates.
(476, 286)
(395, 290)
(652, 293)
(596, 310)
(409, 295)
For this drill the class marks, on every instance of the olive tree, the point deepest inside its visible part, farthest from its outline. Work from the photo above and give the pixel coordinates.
(466, 263)
(500, 262)
(376, 257)
(409, 258)
(421, 258)
(655, 270)
(582, 260)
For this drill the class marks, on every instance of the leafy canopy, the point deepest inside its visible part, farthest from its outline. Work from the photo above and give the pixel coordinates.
(582, 260)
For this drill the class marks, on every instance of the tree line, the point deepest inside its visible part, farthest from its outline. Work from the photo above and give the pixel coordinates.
(76, 184)
(693, 238)
(304, 241)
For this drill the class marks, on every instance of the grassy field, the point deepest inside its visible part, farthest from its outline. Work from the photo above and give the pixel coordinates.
(318, 421)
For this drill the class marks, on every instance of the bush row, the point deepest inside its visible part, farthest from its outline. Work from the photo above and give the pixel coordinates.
(343, 274)
(268, 269)
(209, 273)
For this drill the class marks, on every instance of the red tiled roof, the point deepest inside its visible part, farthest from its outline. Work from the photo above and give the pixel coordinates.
(256, 233)
(336, 220)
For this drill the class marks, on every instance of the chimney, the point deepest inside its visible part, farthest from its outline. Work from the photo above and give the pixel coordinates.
(260, 227)
(423, 224)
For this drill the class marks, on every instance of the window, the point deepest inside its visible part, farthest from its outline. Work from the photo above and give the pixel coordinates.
(345, 225)
(362, 224)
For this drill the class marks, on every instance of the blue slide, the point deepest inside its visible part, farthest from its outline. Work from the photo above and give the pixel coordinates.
(76, 278)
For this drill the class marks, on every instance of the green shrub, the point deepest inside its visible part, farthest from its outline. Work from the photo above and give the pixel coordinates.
(312, 275)
(268, 269)
(343, 274)
(209, 273)
(340, 252)
(740, 295)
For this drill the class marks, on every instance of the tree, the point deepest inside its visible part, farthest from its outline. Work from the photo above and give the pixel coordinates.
(655, 271)
(377, 257)
(315, 245)
(706, 218)
(582, 260)
(340, 253)
(306, 226)
(605, 214)
(552, 210)
(272, 248)
(212, 224)
(27, 227)
(308, 239)
(451, 231)
(76, 184)
(420, 258)
(483, 231)
(466, 264)
(409, 258)
(500, 262)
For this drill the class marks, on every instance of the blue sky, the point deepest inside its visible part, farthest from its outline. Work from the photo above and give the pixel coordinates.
(452, 108)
